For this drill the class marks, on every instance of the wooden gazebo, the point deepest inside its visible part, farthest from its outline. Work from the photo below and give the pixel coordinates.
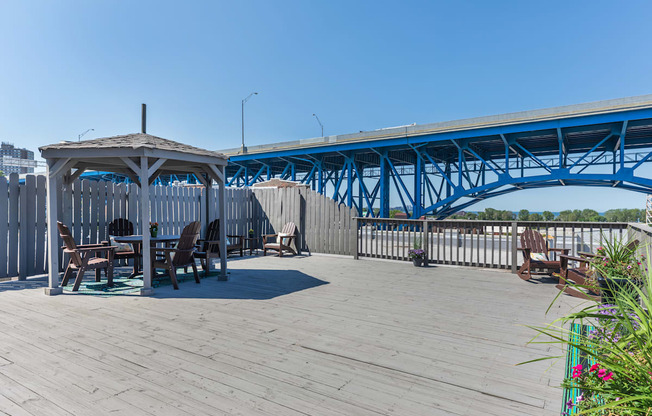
(142, 158)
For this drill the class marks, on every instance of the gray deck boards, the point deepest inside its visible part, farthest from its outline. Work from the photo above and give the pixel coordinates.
(318, 335)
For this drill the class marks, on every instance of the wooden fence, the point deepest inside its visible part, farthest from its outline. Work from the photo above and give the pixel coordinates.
(87, 207)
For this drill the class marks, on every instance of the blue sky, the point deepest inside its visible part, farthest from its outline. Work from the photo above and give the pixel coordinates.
(68, 66)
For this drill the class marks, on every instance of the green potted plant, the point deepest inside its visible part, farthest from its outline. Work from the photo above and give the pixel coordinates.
(251, 233)
(617, 268)
(417, 254)
(153, 229)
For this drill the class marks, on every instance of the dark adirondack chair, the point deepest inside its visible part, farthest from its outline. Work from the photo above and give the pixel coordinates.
(180, 256)
(281, 241)
(85, 257)
(575, 281)
(119, 228)
(209, 248)
(533, 242)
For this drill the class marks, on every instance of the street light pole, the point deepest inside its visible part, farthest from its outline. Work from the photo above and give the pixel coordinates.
(82, 135)
(243, 103)
(322, 126)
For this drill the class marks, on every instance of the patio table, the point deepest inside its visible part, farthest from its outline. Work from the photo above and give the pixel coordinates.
(137, 241)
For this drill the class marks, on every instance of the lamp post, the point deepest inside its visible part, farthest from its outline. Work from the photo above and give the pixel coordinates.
(321, 125)
(82, 135)
(243, 103)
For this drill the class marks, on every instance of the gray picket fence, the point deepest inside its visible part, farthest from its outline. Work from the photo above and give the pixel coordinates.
(87, 207)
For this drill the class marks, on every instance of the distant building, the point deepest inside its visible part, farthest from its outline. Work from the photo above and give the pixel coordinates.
(16, 160)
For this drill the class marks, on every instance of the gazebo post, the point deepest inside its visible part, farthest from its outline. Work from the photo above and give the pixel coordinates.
(54, 167)
(144, 221)
(222, 197)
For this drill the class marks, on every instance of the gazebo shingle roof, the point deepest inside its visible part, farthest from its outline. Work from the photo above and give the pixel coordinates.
(134, 141)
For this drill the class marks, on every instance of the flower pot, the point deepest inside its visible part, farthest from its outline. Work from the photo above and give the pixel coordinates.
(153, 232)
(610, 287)
(418, 262)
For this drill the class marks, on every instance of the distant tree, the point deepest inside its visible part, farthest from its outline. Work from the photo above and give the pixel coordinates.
(491, 214)
(393, 212)
(471, 216)
(564, 215)
(589, 215)
(507, 215)
(535, 216)
(523, 215)
(548, 216)
(482, 216)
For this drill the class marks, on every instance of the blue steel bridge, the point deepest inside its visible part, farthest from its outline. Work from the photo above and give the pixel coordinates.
(441, 168)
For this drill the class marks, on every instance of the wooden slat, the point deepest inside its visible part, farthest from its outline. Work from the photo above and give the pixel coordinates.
(95, 207)
(4, 225)
(41, 186)
(86, 212)
(14, 216)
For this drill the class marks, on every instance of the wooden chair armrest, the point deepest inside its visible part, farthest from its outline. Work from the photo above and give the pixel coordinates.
(585, 254)
(167, 249)
(90, 249)
(266, 236)
(90, 245)
(560, 250)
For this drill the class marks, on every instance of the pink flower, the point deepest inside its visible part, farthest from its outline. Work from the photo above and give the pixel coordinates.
(602, 372)
(608, 376)
(579, 398)
(594, 367)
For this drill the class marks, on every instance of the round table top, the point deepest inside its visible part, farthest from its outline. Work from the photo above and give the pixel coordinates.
(139, 238)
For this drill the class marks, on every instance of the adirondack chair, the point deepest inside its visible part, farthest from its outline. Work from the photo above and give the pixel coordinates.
(180, 256)
(533, 244)
(209, 248)
(119, 228)
(85, 257)
(575, 281)
(281, 241)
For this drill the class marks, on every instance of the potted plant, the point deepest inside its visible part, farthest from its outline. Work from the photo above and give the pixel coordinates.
(153, 229)
(251, 233)
(417, 254)
(617, 269)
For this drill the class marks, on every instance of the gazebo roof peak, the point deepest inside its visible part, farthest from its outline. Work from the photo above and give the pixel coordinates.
(133, 141)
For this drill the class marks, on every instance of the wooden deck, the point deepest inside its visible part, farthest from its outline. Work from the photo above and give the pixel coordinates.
(316, 335)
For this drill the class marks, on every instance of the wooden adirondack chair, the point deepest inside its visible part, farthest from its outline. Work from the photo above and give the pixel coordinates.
(575, 281)
(180, 256)
(119, 228)
(533, 242)
(84, 257)
(281, 241)
(209, 248)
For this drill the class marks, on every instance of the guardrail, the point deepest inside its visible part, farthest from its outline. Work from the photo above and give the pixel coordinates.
(490, 244)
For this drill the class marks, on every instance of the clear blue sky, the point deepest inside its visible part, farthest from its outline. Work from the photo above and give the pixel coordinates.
(67, 66)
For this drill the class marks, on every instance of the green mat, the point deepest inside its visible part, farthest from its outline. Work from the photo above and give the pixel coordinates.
(124, 286)
(574, 357)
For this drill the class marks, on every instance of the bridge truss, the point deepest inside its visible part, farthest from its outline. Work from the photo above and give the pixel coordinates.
(439, 169)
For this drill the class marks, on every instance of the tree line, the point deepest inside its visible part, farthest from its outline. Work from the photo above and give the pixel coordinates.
(612, 215)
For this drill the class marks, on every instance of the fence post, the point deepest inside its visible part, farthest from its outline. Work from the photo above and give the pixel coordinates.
(514, 245)
(425, 238)
(354, 237)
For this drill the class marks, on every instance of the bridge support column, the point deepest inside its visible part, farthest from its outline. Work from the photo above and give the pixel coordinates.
(384, 186)
(417, 208)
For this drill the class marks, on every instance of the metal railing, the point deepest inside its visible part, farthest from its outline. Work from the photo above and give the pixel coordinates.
(491, 244)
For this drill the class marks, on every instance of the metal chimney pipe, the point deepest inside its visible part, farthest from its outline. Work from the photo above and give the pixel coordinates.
(143, 127)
